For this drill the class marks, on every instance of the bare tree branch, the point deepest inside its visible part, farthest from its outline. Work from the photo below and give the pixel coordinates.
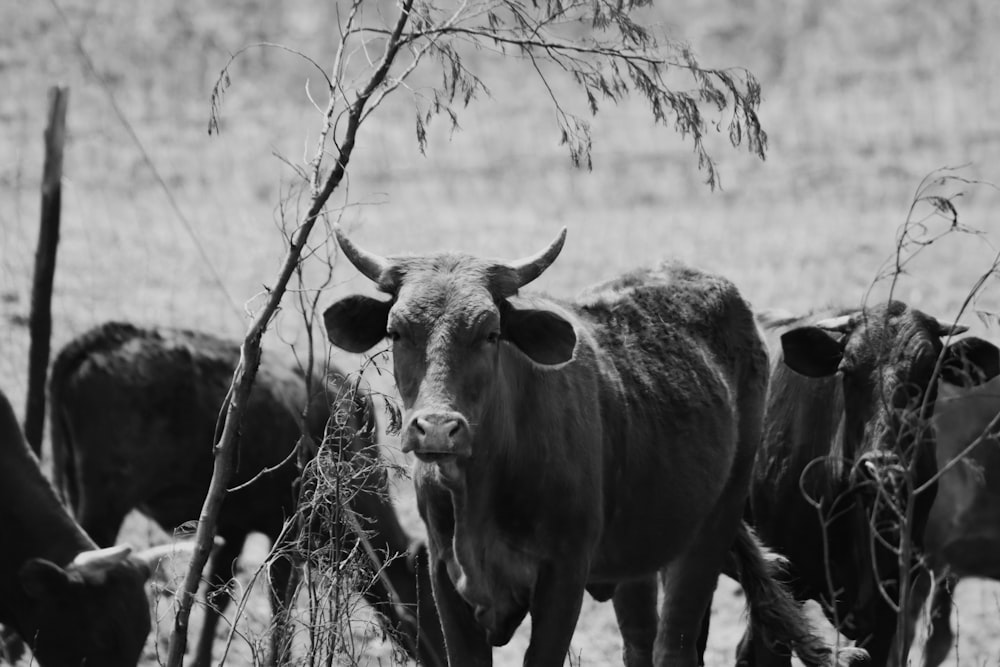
(246, 370)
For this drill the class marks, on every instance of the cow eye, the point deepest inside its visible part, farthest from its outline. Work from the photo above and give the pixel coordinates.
(393, 335)
(493, 337)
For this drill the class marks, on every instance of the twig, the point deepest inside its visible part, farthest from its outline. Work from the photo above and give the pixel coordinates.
(246, 370)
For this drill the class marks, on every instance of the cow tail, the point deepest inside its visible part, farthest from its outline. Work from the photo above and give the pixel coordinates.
(774, 612)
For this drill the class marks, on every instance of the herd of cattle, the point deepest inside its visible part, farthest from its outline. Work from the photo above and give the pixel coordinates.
(633, 444)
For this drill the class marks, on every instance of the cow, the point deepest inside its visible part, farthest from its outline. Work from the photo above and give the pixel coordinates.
(564, 446)
(70, 601)
(962, 536)
(134, 414)
(846, 442)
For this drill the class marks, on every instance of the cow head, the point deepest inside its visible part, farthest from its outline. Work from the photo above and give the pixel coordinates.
(887, 357)
(93, 611)
(449, 319)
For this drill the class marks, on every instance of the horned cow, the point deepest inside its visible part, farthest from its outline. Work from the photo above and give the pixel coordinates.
(571, 446)
(847, 439)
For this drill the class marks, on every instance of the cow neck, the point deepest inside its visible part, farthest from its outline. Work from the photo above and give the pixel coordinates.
(814, 443)
(31, 512)
(521, 427)
(497, 500)
(514, 445)
(844, 445)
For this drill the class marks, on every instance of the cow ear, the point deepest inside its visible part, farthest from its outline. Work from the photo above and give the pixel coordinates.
(812, 351)
(41, 578)
(356, 323)
(970, 361)
(545, 337)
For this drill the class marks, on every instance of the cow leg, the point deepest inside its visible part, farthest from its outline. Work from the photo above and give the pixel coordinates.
(689, 580)
(221, 565)
(635, 608)
(688, 585)
(730, 568)
(555, 608)
(941, 637)
(464, 638)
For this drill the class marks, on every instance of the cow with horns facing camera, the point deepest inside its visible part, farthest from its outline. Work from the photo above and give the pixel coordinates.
(564, 446)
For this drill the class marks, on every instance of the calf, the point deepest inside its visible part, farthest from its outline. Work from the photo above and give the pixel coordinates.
(134, 418)
(71, 602)
(847, 439)
(571, 446)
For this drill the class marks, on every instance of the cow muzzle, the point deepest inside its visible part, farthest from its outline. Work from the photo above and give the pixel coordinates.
(434, 436)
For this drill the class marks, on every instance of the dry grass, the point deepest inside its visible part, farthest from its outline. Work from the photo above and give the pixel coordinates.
(860, 103)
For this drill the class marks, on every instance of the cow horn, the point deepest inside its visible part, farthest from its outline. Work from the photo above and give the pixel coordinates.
(369, 264)
(843, 323)
(93, 565)
(149, 559)
(529, 268)
(152, 556)
(950, 328)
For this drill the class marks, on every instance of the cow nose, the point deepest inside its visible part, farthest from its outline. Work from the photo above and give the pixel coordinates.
(432, 435)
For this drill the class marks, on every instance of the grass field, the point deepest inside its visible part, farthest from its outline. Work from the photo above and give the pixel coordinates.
(860, 103)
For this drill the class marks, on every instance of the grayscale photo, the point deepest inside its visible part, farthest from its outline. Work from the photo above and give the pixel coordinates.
(459, 333)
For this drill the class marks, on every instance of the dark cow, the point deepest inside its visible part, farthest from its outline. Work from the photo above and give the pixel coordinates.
(564, 446)
(134, 417)
(962, 537)
(848, 413)
(71, 602)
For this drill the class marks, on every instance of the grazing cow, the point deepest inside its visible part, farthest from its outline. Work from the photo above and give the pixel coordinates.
(71, 602)
(848, 414)
(134, 417)
(962, 537)
(564, 446)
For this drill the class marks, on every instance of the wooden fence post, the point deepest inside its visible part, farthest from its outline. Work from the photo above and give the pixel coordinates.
(40, 323)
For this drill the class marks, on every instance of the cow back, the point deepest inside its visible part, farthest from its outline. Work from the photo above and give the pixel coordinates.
(135, 415)
(678, 356)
